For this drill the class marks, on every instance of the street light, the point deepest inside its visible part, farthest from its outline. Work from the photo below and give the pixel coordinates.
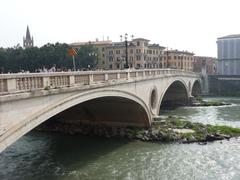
(126, 47)
(95, 55)
(167, 58)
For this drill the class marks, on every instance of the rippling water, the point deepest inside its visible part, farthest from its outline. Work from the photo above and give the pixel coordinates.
(56, 156)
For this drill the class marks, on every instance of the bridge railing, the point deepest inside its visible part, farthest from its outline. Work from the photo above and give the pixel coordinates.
(23, 82)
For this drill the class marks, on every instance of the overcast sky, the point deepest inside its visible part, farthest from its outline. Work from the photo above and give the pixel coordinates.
(192, 25)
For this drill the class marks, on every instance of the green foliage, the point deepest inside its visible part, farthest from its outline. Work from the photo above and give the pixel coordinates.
(17, 59)
(199, 98)
(200, 133)
(223, 130)
(87, 57)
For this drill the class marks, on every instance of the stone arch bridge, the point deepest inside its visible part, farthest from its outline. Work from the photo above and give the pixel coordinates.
(117, 98)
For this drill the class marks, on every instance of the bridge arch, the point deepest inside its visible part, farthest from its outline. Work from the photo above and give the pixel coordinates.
(196, 88)
(138, 109)
(175, 94)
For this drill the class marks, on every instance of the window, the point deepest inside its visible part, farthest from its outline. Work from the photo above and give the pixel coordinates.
(138, 43)
(131, 51)
(138, 50)
(117, 51)
(110, 66)
(110, 59)
(103, 55)
(110, 52)
(149, 52)
(103, 49)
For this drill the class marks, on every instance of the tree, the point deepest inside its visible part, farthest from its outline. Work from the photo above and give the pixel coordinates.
(30, 59)
(86, 57)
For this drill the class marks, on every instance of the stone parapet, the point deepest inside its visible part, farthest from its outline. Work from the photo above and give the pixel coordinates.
(25, 82)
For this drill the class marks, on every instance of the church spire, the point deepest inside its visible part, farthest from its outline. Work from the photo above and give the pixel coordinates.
(28, 36)
(27, 41)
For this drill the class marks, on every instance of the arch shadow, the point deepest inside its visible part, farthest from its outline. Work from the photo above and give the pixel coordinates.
(176, 94)
(93, 107)
(196, 88)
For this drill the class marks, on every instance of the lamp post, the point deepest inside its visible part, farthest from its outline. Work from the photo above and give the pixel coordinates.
(95, 55)
(167, 58)
(126, 48)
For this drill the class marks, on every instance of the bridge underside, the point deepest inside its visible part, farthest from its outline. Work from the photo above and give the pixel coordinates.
(176, 95)
(196, 89)
(112, 111)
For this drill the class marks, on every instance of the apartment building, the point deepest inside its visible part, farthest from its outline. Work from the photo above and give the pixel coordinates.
(179, 59)
(140, 54)
(201, 62)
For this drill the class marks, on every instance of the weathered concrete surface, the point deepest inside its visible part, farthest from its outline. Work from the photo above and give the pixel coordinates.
(125, 102)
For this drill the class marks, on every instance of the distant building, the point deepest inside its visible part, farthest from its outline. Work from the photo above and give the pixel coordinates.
(141, 54)
(228, 55)
(202, 61)
(179, 59)
(28, 40)
(100, 45)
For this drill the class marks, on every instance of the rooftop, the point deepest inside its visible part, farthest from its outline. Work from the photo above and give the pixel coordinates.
(179, 52)
(230, 36)
(140, 39)
(91, 42)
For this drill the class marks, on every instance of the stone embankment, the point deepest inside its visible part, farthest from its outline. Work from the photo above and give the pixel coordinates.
(167, 130)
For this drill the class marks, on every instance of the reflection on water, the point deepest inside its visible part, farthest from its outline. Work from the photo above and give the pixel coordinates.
(56, 156)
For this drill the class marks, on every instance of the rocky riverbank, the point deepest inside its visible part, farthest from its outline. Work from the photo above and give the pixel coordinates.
(200, 102)
(162, 130)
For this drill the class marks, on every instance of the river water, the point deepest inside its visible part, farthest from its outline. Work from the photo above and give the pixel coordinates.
(50, 156)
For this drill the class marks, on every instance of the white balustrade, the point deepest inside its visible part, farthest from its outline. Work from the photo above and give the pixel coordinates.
(14, 83)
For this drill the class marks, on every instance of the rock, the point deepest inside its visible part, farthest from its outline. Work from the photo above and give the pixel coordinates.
(139, 136)
(183, 131)
(202, 143)
(211, 137)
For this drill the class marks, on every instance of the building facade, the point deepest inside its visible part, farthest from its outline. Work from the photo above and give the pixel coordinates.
(179, 59)
(140, 54)
(201, 62)
(101, 49)
(28, 40)
(228, 55)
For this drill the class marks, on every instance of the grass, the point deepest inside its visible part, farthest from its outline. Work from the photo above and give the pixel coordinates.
(201, 130)
(224, 130)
